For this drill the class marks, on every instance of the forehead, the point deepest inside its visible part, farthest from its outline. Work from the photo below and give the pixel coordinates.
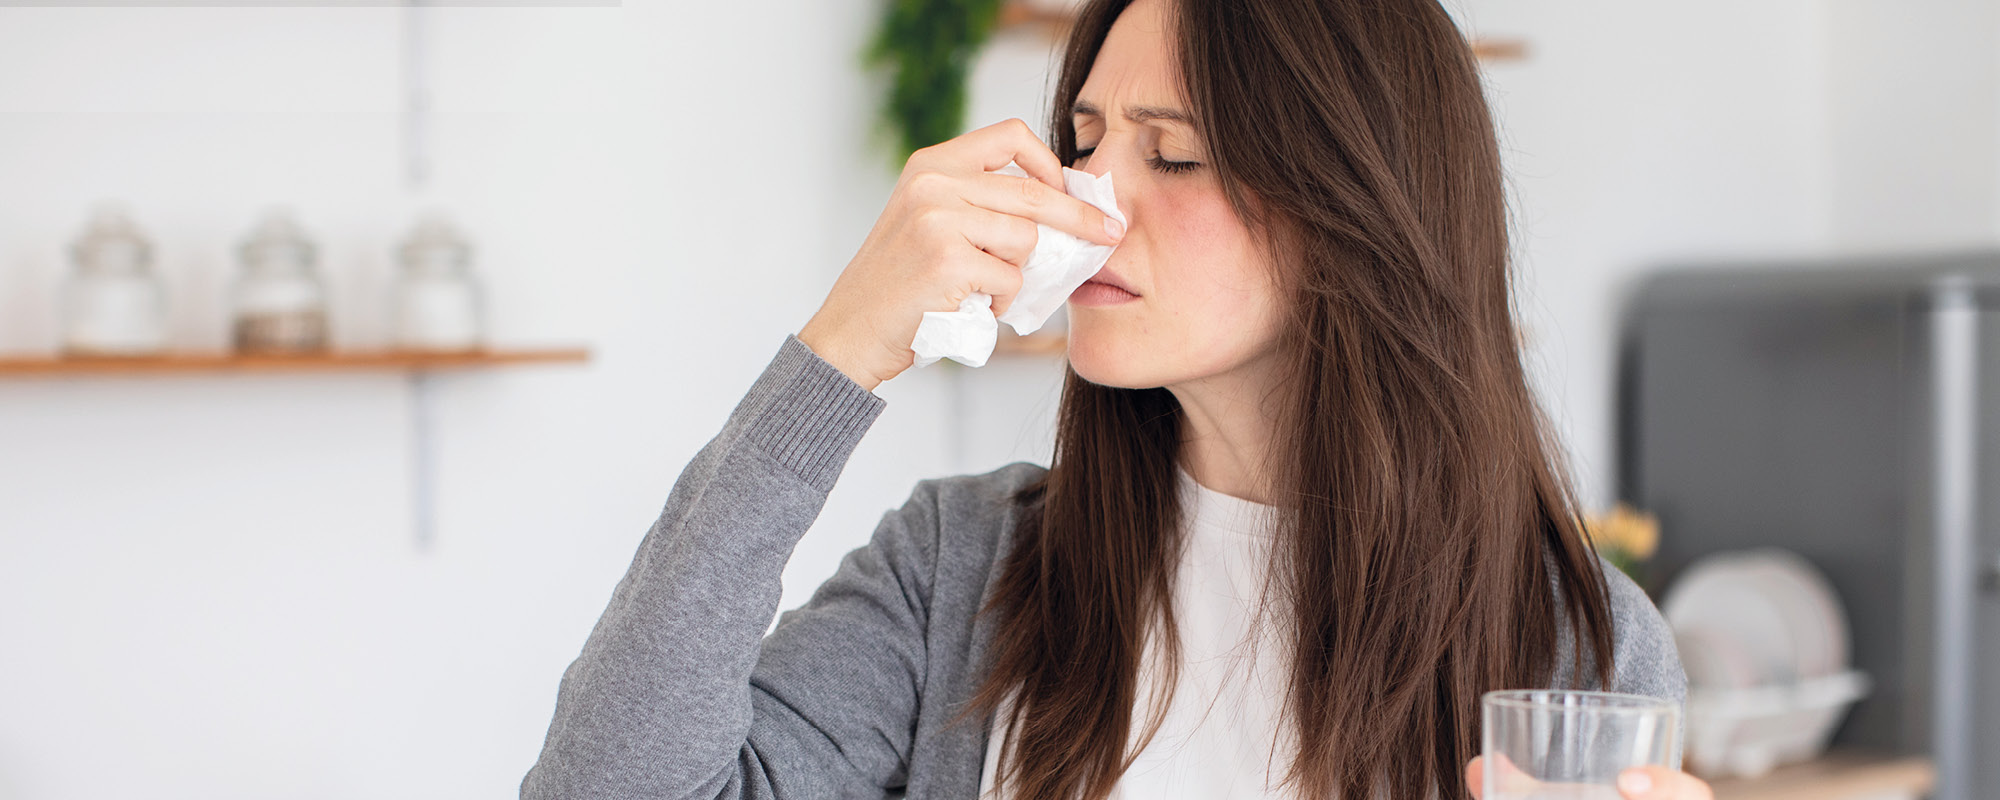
(1135, 66)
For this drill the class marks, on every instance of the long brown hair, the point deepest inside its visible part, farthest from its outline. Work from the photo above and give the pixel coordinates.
(1424, 514)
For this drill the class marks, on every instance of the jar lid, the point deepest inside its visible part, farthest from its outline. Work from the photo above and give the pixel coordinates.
(111, 242)
(435, 243)
(278, 241)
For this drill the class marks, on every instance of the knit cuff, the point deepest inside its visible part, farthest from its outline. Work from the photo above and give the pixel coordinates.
(815, 414)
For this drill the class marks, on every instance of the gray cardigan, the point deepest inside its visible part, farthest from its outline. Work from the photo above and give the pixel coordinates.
(675, 696)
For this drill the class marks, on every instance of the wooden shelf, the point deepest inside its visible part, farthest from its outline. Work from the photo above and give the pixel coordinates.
(418, 368)
(1837, 776)
(1492, 49)
(230, 363)
(1017, 15)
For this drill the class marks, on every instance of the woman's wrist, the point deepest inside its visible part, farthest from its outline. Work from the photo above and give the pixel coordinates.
(827, 347)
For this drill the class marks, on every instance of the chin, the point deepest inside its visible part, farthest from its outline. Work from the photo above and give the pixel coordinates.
(1106, 359)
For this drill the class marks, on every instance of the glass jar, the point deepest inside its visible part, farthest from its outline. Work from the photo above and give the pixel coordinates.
(280, 301)
(114, 305)
(437, 302)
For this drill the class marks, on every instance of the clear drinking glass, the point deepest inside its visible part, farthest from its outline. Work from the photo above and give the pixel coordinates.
(1543, 744)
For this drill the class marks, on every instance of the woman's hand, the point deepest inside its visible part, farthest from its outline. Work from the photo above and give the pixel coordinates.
(1638, 783)
(950, 229)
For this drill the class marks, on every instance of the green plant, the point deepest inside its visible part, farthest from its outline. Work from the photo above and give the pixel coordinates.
(929, 46)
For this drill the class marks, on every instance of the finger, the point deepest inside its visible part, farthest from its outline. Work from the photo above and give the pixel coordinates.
(1506, 778)
(1022, 197)
(1006, 236)
(991, 147)
(1660, 783)
(987, 273)
(1475, 776)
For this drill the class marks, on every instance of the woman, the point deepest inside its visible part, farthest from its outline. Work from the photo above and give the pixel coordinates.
(1302, 509)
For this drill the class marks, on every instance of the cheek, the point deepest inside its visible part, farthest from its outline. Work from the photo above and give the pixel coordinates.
(1216, 270)
(1200, 217)
(1212, 307)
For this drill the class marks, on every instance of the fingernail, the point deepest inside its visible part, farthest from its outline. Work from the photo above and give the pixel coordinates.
(1113, 228)
(1635, 783)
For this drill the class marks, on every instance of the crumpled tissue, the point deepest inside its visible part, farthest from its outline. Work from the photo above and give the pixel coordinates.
(1059, 264)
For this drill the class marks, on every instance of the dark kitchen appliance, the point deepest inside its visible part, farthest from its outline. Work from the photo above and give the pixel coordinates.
(1850, 412)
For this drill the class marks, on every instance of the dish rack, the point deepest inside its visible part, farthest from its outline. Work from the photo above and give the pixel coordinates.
(1749, 732)
(1765, 643)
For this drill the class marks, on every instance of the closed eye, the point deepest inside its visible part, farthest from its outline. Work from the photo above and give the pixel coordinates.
(1156, 162)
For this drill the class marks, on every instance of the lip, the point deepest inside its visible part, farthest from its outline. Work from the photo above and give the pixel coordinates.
(1103, 290)
(1107, 277)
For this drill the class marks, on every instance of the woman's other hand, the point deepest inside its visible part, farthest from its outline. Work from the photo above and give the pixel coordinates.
(950, 229)
(1638, 783)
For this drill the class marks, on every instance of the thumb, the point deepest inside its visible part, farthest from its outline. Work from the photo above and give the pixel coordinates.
(1507, 778)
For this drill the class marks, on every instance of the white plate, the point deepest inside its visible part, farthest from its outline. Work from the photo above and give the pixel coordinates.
(1714, 661)
(1770, 607)
(1810, 607)
(1720, 597)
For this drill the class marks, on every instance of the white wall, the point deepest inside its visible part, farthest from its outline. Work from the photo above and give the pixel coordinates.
(1914, 118)
(1641, 134)
(208, 586)
(1638, 136)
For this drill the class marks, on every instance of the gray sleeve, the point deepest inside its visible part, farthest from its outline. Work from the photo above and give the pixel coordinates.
(674, 697)
(1644, 660)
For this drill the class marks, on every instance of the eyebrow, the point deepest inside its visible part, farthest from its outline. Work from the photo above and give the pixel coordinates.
(1134, 113)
